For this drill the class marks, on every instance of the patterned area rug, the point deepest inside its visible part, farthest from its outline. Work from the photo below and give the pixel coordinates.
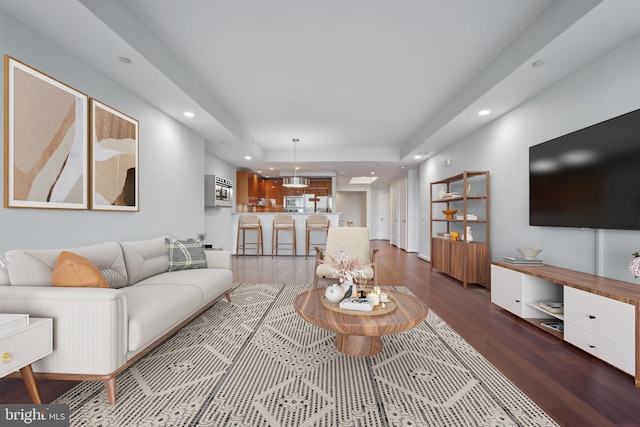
(255, 362)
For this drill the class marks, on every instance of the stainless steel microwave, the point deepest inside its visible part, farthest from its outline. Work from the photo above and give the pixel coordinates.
(293, 202)
(218, 191)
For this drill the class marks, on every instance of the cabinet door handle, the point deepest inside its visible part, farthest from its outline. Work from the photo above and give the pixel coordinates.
(591, 316)
(517, 300)
(592, 346)
(6, 358)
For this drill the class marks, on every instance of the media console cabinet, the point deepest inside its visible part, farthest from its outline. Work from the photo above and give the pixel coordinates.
(601, 316)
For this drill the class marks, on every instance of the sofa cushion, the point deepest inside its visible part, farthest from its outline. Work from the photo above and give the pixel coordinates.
(145, 258)
(212, 282)
(155, 309)
(72, 270)
(185, 254)
(35, 267)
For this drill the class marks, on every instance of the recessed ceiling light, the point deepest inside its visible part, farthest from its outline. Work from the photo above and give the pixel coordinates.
(417, 156)
(373, 173)
(403, 167)
(247, 157)
(188, 114)
(271, 168)
(125, 60)
(259, 171)
(484, 112)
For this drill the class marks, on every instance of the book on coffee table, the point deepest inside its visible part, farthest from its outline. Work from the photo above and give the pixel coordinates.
(357, 304)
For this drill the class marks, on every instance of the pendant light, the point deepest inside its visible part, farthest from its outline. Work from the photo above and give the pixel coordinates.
(295, 181)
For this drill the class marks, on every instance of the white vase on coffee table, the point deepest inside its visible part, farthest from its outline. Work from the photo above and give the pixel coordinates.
(333, 293)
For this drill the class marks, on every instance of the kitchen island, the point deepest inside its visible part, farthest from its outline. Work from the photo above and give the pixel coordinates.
(266, 219)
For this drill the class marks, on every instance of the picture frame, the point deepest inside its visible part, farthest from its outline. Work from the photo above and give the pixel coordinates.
(114, 159)
(46, 140)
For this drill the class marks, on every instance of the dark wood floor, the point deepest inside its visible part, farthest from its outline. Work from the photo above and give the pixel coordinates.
(571, 386)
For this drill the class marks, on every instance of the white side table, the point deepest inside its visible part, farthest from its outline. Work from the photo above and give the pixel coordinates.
(20, 348)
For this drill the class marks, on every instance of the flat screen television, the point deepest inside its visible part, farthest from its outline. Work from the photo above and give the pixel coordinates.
(589, 178)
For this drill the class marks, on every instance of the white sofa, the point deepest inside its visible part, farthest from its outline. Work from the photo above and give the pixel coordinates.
(99, 332)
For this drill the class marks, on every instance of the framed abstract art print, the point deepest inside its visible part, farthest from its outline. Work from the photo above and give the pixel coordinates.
(114, 159)
(46, 141)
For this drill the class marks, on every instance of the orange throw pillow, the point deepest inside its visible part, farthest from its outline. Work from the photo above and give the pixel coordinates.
(72, 270)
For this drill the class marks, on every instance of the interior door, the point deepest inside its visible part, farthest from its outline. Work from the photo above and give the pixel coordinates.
(384, 210)
(394, 214)
(402, 215)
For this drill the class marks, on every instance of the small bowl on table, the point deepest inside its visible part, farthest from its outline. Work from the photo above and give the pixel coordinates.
(529, 253)
(449, 214)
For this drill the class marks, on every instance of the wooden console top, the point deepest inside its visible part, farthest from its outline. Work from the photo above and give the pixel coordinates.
(615, 289)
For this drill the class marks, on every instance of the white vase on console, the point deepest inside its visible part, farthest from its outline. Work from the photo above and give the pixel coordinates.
(468, 235)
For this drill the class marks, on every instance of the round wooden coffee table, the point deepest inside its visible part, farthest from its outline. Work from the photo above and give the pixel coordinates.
(356, 334)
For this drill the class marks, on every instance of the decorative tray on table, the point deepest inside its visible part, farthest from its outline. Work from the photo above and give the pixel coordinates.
(377, 310)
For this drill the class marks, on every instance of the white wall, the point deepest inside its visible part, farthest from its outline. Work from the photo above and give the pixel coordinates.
(602, 90)
(352, 206)
(218, 223)
(171, 163)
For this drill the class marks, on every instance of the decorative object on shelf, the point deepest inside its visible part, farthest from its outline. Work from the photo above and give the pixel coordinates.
(467, 235)
(333, 293)
(468, 217)
(449, 214)
(529, 253)
(634, 265)
(442, 192)
(455, 236)
(384, 297)
(452, 195)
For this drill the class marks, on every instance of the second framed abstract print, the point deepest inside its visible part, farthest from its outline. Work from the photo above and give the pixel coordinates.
(114, 159)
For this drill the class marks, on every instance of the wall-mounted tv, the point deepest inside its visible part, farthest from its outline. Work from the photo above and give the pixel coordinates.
(588, 178)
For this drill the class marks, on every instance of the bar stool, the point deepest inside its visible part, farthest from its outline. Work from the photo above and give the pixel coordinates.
(283, 223)
(249, 222)
(316, 222)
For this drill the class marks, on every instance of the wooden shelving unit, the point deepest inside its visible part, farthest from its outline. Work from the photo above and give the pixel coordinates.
(463, 260)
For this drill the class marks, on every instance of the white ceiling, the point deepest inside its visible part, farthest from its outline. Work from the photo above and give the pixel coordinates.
(364, 84)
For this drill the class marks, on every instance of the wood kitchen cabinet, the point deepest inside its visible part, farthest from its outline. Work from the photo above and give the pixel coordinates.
(249, 188)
